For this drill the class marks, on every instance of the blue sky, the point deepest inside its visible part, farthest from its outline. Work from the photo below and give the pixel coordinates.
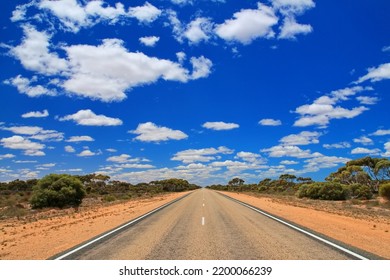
(193, 89)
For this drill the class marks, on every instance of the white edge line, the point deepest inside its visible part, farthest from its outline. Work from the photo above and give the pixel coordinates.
(112, 231)
(305, 232)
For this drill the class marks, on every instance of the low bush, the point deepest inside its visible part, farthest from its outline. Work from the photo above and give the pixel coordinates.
(57, 190)
(384, 190)
(325, 191)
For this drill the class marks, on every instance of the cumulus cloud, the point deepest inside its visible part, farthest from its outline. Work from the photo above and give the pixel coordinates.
(287, 151)
(381, 132)
(34, 53)
(290, 29)
(36, 132)
(17, 142)
(363, 140)
(367, 100)
(375, 74)
(341, 145)
(387, 148)
(303, 138)
(198, 30)
(146, 13)
(250, 157)
(69, 149)
(200, 155)
(293, 6)
(324, 108)
(83, 138)
(201, 67)
(149, 41)
(74, 16)
(220, 125)
(150, 132)
(24, 85)
(6, 156)
(89, 118)
(86, 153)
(248, 25)
(365, 151)
(119, 159)
(36, 114)
(316, 163)
(270, 122)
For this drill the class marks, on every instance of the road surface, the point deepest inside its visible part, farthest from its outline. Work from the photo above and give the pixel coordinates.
(208, 226)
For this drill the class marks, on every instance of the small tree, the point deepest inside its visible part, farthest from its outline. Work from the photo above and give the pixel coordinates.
(57, 190)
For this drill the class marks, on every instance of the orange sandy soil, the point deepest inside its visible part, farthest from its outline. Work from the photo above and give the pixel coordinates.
(46, 233)
(358, 224)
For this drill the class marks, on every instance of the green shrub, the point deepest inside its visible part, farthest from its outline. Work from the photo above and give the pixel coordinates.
(325, 191)
(384, 190)
(332, 191)
(109, 198)
(57, 190)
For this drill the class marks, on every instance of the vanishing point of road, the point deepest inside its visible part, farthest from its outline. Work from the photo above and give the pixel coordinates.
(206, 225)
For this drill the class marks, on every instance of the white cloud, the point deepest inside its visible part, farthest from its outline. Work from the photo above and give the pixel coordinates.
(181, 56)
(34, 53)
(303, 138)
(293, 6)
(86, 153)
(20, 11)
(25, 130)
(381, 132)
(341, 145)
(69, 149)
(146, 13)
(367, 100)
(37, 133)
(201, 67)
(24, 85)
(36, 114)
(387, 148)
(136, 166)
(220, 125)
(150, 132)
(291, 28)
(289, 162)
(386, 49)
(119, 159)
(200, 155)
(363, 140)
(149, 41)
(80, 139)
(316, 163)
(89, 118)
(323, 109)
(250, 157)
(248, 25)
(382, 72)
(365, 151)
(198, 30)
(287, 151)
(20, 143)
(105, 72)
(6, 156)
(270, 122)
(74, 16)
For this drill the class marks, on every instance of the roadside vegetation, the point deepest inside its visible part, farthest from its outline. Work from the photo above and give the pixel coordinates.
(18, 197)
(361, 179)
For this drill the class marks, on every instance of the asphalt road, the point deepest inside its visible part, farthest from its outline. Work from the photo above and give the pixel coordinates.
(208, 226)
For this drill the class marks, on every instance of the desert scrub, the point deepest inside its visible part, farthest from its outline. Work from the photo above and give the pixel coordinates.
(324, 191)
(384, 190)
